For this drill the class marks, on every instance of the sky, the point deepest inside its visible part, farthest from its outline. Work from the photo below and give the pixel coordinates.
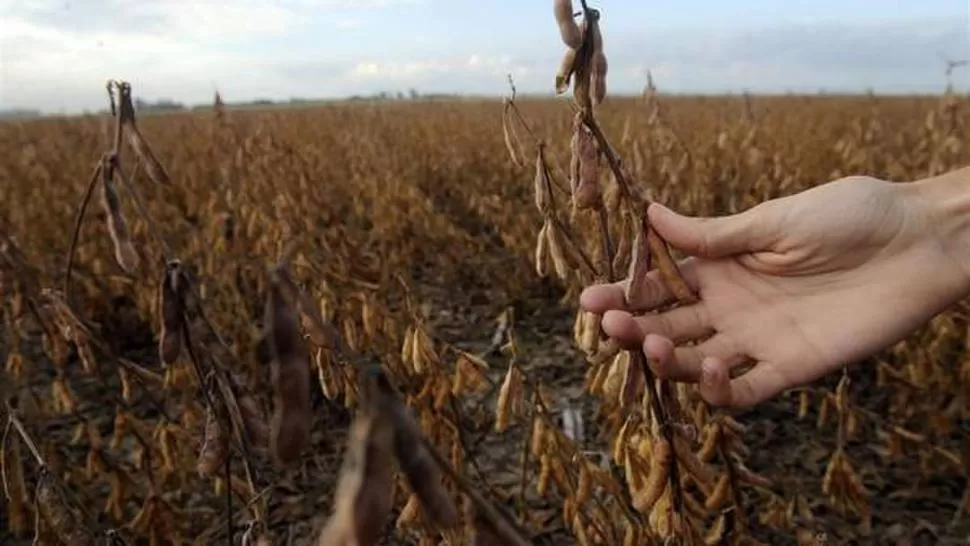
(55, 55)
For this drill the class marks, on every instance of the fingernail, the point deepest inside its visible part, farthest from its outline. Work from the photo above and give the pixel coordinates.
(712, 384)
(709, 373)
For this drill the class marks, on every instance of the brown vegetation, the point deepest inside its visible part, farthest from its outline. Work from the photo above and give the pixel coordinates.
(219, 376)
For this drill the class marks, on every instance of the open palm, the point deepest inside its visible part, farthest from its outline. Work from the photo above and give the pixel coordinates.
(799, 286)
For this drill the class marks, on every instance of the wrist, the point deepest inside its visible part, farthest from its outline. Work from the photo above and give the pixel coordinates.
(945, 200)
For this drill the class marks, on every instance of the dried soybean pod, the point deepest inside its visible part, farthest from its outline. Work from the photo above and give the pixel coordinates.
(407, 346)
(633, 383)
(584, 166)
(702, 475)
(716, 534)
(624, 247)
(171, 306)
(125, 253)
(692, 505)
(137, 141)
(542, 252)
(589, 341)
(671, 276)
(64, 521)
(639, 264)
(598, 69)
(630, 535)
(587, 191)
(598, 65)
(732, 427)
(616, 372)
(409, 514)
(290, 373)
(568, 29)
(708, 448)
(543, 195)
(565, 72)
(417, 464)
(512, 144)
(364, 497)
(584, 483)
(579, 325)
(509, 400)
(720, 493)
(556, 242)
(581, 68)
(657, 478)
(215, 446)
(574, 153)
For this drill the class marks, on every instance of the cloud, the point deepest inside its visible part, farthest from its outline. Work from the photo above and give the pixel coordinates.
(895, 56)
(406, 71)
(200, 20)
(348, 23)
(479, 74)
(356, 4)
(52, 57)
(418, 70)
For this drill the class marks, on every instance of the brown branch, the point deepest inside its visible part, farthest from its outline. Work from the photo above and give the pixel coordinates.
(460, 432)
(228, 477)
(567, 233)
(608, 250)
(524, 469)
(3, 459)
(733, 479)
(639, 202)
(12, 418)
(539, 142)
(95, 176)
(657, 406)
(229, 402)
(132, 189)
(505, 526)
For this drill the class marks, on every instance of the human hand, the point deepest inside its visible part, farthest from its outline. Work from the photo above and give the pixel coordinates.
(800, 285)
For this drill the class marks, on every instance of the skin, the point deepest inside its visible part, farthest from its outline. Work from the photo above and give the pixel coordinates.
(798, 286)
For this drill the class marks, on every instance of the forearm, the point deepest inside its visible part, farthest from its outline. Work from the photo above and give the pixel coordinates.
(946, 199)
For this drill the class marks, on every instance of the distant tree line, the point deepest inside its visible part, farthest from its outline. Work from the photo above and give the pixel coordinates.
(165, 105)
(19, 113)
(142, 105)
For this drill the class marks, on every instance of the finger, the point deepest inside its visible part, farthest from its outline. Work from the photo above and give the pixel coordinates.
(749, 231)
(600, 298)
(757, 385)
(682, 323)
(679, 324)
(684, 363)
(623, 328)
(664, 361)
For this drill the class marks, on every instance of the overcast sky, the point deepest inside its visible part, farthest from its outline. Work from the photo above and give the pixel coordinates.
(56, 54)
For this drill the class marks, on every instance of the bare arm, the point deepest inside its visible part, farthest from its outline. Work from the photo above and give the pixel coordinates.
(947, 200)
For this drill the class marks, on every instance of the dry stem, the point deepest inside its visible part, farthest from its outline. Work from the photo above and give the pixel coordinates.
(95, 177)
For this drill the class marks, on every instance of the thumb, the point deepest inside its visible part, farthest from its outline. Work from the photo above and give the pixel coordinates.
(712, 237)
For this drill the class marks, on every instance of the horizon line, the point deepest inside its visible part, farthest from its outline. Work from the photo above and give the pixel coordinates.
(159, 105)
